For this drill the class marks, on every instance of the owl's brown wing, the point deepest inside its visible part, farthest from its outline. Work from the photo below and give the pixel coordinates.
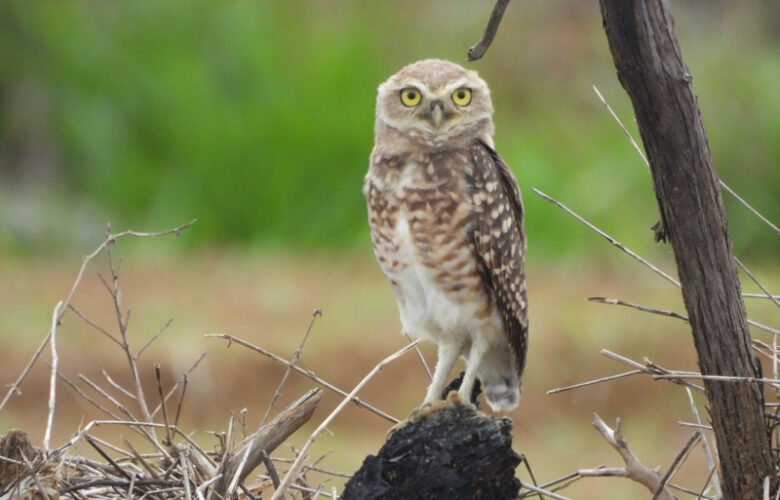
(499, 242)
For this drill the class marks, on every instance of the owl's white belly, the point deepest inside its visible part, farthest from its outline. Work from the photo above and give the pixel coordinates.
(427, 309)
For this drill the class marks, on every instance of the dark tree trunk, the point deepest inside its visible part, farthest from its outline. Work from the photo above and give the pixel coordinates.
(651, 68)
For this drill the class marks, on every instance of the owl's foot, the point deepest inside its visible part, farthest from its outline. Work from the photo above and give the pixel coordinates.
(451, 399)
(455, 385)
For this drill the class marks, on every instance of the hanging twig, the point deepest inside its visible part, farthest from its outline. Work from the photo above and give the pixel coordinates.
(478, 50)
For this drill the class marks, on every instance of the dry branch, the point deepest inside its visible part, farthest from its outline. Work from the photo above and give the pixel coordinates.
(110, 240)
(647, 163)
(478, 50)
(634, 469)
(266, 439)
(306, 373)
(292, 473)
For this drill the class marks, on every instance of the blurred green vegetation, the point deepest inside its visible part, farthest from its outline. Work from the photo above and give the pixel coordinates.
(257, 117)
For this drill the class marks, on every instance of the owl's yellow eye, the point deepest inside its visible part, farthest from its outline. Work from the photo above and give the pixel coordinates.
(410, 97)
(462, 96)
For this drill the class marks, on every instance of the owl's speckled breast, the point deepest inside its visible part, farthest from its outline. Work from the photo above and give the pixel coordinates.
(420, 217)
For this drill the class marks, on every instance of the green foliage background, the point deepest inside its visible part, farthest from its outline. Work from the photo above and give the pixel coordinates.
(256, 117)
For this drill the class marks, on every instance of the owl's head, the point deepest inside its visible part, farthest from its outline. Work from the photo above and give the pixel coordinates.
(436, 104)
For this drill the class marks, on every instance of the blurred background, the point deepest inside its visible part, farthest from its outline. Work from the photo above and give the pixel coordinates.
(256, 118)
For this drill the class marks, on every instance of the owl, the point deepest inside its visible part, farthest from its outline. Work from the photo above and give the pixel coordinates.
(446, 219)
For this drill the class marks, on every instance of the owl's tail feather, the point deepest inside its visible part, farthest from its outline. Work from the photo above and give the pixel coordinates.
(500, 382)
(501, 397)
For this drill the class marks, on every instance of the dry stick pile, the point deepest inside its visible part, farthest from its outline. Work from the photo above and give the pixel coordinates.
(178, 467)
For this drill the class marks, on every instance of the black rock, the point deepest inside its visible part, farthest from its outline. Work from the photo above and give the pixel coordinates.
(448, 451)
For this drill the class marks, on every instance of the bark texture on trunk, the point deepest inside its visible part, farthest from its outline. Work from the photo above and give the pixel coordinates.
(650, 67)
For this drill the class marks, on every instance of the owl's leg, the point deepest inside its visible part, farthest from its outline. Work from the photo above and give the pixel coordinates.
(448, 355)
(478, 350)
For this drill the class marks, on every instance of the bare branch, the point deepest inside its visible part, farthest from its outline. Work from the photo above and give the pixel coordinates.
(266, 439)
(678, 461)
(159, 332)
(160, 393)
(291, 474)
(93, 324)
(618, 302)
(55, 360)
(706, 446)
(651, 368)
(542, 491)
(306, 373)
(184, 379)
(758, 283)
(595, 381)
(110, 240)
(297, 354)
(478, 50)
(116, 385)
(634, 470)
(609, 238)
(647, 163)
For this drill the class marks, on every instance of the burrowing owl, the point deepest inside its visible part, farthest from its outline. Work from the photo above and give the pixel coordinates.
(446, 222)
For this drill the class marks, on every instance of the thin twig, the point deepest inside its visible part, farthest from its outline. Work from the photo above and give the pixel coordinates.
(595, 381)
(297, 354)
(671, 314)
(651, 369)
(618, 302)
(706, 447)
(291, 474)
(154, 337)
(541, 491)
(34, 476)
(237, 476)
(185, 476)
(122, 322)
(94, 325)
(110, 240)
(478, 50)
(106, 456)
(116, 385)
(176, 385)
(759, 296)
(609, 238)
(269, 466)
(313, 468)
(55, 360)
(160, 393)
(758, 283)
(678, 461)
(306, 373)
(421, 357)
(181, 400)
(647, 163)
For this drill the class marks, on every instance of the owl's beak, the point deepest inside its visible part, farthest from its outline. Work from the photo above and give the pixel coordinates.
(435, 116)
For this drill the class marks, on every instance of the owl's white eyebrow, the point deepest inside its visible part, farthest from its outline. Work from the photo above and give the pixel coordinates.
(413, 83)
(458, 84)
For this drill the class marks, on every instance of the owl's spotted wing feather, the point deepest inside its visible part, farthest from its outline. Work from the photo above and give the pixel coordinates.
(499, 242)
